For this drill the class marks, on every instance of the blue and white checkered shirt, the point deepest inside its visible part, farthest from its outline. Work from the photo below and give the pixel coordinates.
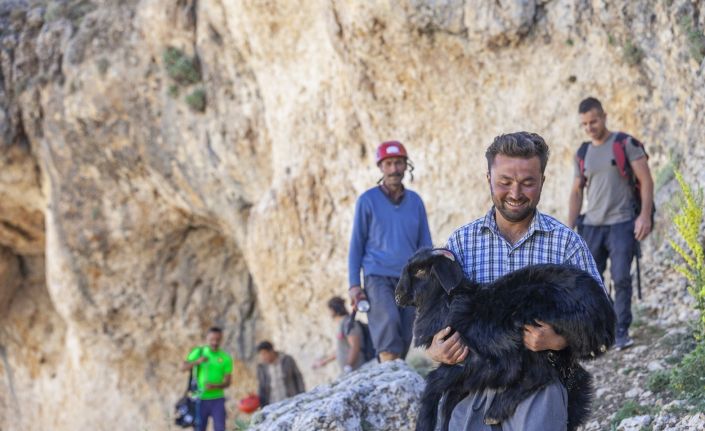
(485, 255)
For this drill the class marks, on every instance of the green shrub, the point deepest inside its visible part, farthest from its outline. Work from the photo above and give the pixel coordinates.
(611, 40)
(695, 39)
(665, 175)
(103, 64)
(658, 381)
(629, 409)
(180, 67)
(73, 10)
(632, 54)
(174, 91)
(241, 424)
(688, 378)
(197, 100)
(687, 222)
(53, 12)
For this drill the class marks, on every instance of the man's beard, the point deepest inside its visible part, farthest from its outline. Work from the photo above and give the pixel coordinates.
(512, 215)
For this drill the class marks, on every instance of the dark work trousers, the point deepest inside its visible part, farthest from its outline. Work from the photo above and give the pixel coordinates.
(617, 243)
(391, 326)
(216, 410)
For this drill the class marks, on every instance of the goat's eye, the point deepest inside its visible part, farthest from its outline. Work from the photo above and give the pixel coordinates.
(420, 273)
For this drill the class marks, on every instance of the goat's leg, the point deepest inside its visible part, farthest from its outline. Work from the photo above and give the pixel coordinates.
(580, 393)
(428, 413)
(437, 382)
(452, 399)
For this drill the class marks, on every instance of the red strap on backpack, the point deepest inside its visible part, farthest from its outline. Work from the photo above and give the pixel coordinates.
(582, 152)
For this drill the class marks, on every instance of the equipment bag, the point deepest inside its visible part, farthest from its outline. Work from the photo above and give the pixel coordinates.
(367, 349)
(186, 408)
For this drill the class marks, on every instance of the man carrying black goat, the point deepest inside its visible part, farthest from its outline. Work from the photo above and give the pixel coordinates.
(513, 234)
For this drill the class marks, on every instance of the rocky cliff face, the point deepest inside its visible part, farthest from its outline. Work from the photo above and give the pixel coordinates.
(166, 165)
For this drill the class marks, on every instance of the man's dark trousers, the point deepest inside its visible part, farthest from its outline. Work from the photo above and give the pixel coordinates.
(216, 410)
(617, 243)
(391, 326)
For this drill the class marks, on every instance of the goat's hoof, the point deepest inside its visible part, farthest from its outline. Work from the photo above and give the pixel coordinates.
(490, 421)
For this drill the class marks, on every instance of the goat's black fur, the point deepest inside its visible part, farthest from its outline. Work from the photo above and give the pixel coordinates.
(490, 320)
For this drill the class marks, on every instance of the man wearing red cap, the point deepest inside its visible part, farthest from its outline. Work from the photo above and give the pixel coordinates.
(390, 225)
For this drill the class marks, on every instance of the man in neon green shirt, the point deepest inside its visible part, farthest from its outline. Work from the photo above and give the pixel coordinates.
(213, 368)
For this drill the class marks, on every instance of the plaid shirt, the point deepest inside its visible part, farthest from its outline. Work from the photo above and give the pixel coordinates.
(485, 255)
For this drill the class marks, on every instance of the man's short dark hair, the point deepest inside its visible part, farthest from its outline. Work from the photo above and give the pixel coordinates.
(589, 104)
(337, 304)
(524, 145)
(216, 329)
(265, 345)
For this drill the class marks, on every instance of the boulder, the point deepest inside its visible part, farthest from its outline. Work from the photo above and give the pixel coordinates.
(376, 397)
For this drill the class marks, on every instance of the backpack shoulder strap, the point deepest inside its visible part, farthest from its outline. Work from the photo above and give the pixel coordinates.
(580, 156)
(620, 154)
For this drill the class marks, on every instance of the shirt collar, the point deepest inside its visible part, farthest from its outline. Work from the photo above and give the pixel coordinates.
(387, 193)
(538, 223)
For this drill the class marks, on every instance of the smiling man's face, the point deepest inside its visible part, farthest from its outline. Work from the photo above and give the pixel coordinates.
(515, 185)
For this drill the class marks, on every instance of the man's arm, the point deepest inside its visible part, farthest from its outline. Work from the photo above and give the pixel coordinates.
(298, 379)
(575, 202)
(187, 365)
(358, 239)
(225, 384)
(642, 224)
(323, 361)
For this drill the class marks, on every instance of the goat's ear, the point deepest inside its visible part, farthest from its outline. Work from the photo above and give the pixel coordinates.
(403, 293)
(448, 273)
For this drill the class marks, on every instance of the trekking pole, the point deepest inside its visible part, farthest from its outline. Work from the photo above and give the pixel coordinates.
(638, 270)
(351, 323)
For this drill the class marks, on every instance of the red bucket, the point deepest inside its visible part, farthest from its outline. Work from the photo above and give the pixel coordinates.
(248, 404)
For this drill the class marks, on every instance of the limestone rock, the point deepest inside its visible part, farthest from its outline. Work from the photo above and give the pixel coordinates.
(137, 208)
(636, 423)
(376, 397)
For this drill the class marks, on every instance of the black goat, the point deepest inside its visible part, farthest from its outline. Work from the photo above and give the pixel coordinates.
(490, 320)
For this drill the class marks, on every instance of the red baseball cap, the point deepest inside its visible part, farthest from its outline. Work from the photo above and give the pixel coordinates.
(390, 149)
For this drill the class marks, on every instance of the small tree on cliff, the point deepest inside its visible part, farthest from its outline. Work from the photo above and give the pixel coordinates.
(687, 222)
(688, 377)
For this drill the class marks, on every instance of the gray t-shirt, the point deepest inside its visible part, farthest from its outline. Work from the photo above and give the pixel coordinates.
(343, 347)
(610, 199)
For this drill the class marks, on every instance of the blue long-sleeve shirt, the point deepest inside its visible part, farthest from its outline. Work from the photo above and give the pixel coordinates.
(385, 234)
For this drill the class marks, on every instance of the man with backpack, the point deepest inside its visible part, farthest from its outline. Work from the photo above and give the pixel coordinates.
(213, 368)
(612, 168)
(353, 346)
(390, 224)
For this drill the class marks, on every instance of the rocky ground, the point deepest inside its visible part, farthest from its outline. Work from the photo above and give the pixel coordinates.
(630, 395)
